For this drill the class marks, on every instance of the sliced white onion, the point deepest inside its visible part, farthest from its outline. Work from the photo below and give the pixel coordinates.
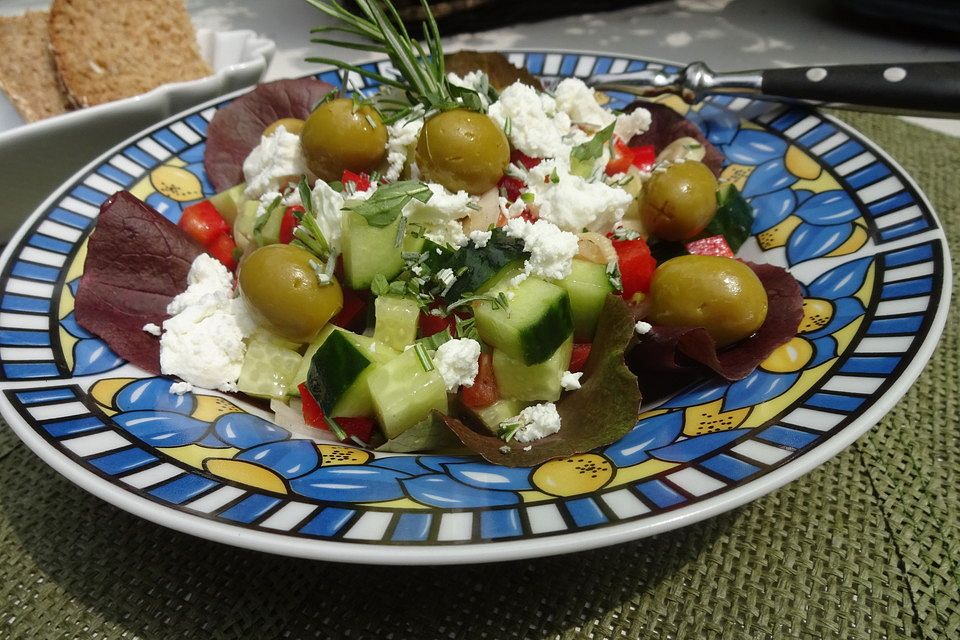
(485, 215)
(596, 248)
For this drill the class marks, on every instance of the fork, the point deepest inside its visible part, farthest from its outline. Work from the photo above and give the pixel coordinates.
(918, 88)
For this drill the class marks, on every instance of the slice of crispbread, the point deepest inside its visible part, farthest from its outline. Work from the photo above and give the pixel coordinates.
(27, 73)
(111, 49)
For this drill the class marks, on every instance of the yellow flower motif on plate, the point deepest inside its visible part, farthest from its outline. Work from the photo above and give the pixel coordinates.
(790, 357)
(709, 417)
(817, 314)
(176, 183)
(333, 455)
(858, 238)
(800, 164)
(777, 235)
(582, 473)
(246, 473)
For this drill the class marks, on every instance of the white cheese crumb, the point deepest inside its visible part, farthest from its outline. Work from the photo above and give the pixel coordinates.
(277, 158)
(528, 447)
(643, 327)
(440, 215)
(327, 207)
(402, 139)
(579, 102)
(539, 421)
(458, 362)
(152, 329)
(480, 238)
(180, 388)
(573, 203)
(631, 124)
(447, 278)
(202, 341)
(571, 381)
(551, 250)
(536, 128)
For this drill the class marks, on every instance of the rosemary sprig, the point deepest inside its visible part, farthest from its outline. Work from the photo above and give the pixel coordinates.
(380, 29)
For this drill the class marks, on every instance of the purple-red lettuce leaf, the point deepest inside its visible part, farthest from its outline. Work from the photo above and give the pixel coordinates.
(137, 262)
(237, 128)
(666, 125)
(603, 410)
(679, 352)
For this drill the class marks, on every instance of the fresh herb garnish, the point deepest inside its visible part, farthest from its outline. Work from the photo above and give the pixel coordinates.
(423, 357)
(379, 29)
(387, 202)
(584, 156)
(508, 429)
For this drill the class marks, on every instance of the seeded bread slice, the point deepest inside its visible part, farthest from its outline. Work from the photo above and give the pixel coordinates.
(111, 49)
(27, 72)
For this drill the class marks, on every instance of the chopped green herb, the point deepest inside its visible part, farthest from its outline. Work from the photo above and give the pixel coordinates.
(336, 428)
(528, 197)
(387, 202)
(508, 429)
(583, 156)
(554, 176)
(508, 126)
(423, 357)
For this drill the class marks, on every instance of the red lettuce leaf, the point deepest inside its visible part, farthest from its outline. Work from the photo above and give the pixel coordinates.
(602, 411)
(671, 356)
(236, 129)
(667, 125)
(137, 262)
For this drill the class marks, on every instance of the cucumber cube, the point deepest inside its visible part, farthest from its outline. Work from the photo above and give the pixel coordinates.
(536, 321)
(588, 287)
(396, 324)
(338, 371)
(532, 382)
(500, 411)
(229, 202)
(404, 393)
(269, 368)
(369, 250)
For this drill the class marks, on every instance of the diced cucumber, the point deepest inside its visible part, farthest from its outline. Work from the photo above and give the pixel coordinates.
(404, 393)
(269, 368)
(532, 382)
(396, 323)
(369, 250)
(229, 202)
(536, 321)
(339, 367)
(267, 231)
(588, 287)
(244, 224)
(500, 411)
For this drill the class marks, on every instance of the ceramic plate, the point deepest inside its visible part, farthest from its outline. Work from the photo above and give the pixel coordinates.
(832, 207)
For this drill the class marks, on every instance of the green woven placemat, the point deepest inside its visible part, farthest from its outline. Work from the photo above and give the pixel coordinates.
(866, 546)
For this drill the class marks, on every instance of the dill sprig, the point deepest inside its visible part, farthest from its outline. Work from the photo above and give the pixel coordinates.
(380, 29)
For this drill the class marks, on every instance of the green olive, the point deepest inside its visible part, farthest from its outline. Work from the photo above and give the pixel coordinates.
(283, 291)
(463, 149)
(340, 135)
(679, 201)
(722, 295)
(292, 125)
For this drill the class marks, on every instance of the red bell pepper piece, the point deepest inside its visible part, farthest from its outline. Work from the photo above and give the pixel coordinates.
(712, 246)
(353, 307)
(620, 159)
(359, 427)
(312, 411)
(519, 157)
(581, 351)
(636, 265)
(224, 249)
(511, 187)
(203, 222)
(430, 324)
(288, 223)
(643, 157)
(361, 181)
(484, 391)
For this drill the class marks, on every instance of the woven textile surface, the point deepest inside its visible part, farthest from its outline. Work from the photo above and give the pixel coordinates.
(866, 546)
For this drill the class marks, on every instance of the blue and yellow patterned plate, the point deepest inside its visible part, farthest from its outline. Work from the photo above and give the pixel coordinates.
(842, 216)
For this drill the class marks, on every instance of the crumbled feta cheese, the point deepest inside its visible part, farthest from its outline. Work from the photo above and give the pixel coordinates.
(579, 102)
(402, 139)
(480, 238)
(277, 158)
(571, 381)
(180, 388)
(536, 128)
(440, 215)
(458, 362)
(539, 421)
(446, 277)
(152, 329)
(475, 81)
(631, 124)
(551, 250)
(573, 203)
(643, 327)
(202, 341)
(511, 209)
(327, 207)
